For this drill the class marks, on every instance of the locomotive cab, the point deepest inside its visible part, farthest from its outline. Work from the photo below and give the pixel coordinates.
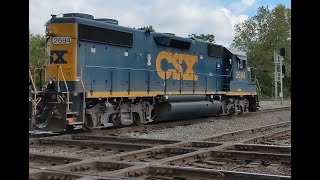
(59, 104)
(240, 91)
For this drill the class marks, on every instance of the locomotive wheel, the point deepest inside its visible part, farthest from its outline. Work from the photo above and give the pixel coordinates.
(88, 124)
(136, 119)
(241, 111)
(219, 113)
(115, 119)
(69, 128)
(253, 109)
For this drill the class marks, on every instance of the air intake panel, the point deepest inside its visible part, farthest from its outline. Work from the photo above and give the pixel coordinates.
(106, 20)
(166, 39)
(80, 15)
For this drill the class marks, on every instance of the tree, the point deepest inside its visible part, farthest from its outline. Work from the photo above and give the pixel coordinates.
(261, 35)
(207, 37)
(147, 28)
(36, 50)
(36, 56)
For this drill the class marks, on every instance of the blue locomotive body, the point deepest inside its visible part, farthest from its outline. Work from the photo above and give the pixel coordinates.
(110, 75)
(156, 63)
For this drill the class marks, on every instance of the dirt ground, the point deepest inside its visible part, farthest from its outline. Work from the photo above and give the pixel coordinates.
(273, 103)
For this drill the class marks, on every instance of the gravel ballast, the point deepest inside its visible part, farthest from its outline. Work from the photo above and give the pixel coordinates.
(218, 125)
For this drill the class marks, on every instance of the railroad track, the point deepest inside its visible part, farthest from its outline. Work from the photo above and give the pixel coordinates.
(234, 155)
(265, 110)
(252, 134)
(150, 127)
(164, 125)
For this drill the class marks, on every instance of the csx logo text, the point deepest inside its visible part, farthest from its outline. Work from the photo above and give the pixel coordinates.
(59, 59)
(176, 60)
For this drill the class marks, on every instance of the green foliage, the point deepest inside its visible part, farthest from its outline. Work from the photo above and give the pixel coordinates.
(36, 50)
(205, 37)
(147, 28)
(261, 35)
(37, 57)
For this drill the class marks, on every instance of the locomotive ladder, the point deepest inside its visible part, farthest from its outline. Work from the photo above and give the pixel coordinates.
(256, 82)
(67, 88)
(258, 85)
(35, 101)
(34, 106)
(69, 112)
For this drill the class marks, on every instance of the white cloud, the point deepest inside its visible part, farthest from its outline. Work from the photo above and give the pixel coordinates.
(248, 2)
(242, 5)
(181, 17)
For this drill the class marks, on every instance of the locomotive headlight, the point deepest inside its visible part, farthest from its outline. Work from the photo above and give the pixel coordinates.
(49, 32)
(51, 80)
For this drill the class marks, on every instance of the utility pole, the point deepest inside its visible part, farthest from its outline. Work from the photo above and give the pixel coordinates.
(278, 74)
(276, 61)
(281, 76)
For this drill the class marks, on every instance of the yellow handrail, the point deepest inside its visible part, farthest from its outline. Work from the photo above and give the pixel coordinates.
(82, 82)
(31, 78)
(58, 79)
(35, 94)
(83, 96)
(258, 85)
(65, 83)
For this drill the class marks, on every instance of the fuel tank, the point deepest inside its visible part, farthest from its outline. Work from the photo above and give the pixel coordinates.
(167, 111)
(183, 98)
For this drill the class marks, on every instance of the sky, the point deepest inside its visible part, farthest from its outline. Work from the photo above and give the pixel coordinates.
(181, 17)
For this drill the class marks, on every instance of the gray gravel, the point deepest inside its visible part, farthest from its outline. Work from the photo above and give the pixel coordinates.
(67, 152)
(285, 141)
(216, 126)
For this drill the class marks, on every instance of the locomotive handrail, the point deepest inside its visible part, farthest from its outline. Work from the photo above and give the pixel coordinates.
(38, 71)
(255, 79)
(150, 70)
(82, 84)
(65, 83)
(35, 96)
(83, 96)
(35, 73)
(32, 82)
(37, 101)
(257, 82)
(58, 79)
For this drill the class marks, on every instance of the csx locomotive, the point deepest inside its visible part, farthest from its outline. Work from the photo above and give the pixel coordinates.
(101, 74)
